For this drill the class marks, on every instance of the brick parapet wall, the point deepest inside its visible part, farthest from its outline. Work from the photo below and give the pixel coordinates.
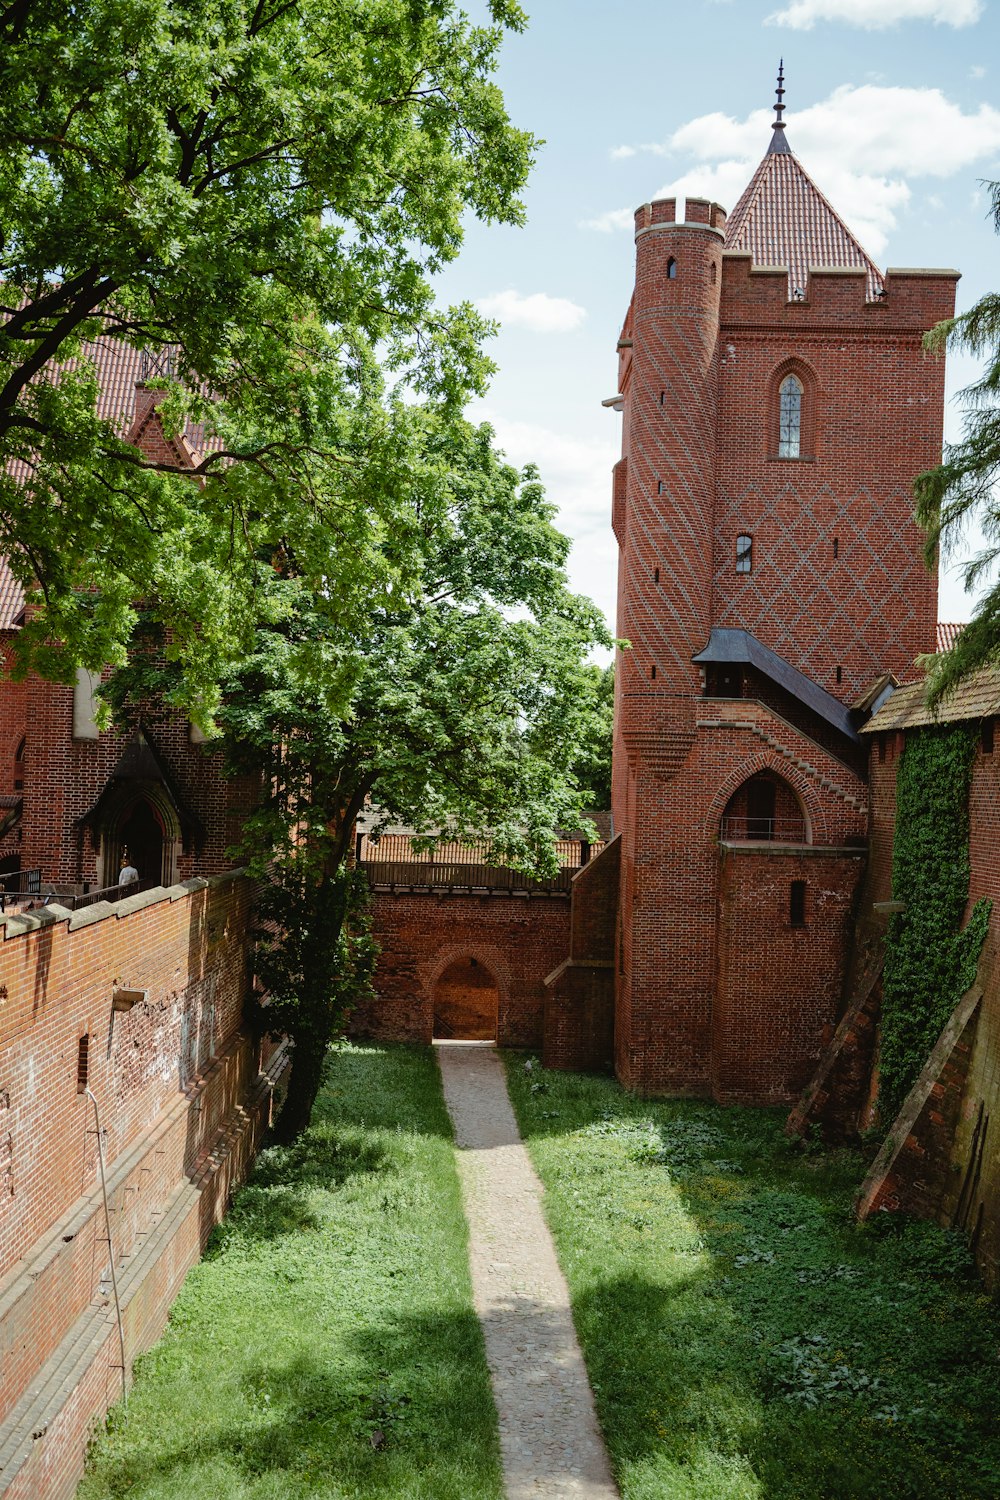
(173, 1076)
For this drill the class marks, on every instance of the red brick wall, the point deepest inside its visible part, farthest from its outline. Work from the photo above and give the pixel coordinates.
(779, 986)
(176, 1079)
(515, 940)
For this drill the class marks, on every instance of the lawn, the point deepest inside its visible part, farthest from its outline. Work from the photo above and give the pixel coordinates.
(326, 1346)
(746, 1340)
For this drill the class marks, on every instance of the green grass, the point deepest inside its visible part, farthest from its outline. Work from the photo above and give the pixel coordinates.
(327, 1345)
(746, 1340)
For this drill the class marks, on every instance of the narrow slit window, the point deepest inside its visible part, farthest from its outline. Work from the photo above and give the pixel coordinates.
(659, 486)
(840, 674)
(652, 672)
(663, 397)
(986, 736)
(656, 575)
(82, 1063)
(672, 268)
(744, 553)
(836, 546)
(790, 417)
(797, 903)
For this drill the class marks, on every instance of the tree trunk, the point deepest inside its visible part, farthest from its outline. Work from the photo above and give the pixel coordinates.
(304, 1079)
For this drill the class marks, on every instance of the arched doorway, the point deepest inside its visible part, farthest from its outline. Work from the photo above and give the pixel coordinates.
(764, 809)
(465, 1003)
(143, 826)
(141, 835)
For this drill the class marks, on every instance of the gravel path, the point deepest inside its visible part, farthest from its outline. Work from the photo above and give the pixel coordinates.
(549, 1436)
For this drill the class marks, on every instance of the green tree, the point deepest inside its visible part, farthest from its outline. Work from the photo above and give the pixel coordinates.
(964, 487)
(262, 189)
(592, 766)
(456, 697)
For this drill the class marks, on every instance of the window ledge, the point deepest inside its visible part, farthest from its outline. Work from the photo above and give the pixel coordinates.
(804, 458)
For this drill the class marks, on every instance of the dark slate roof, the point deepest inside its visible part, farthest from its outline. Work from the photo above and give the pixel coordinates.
(783, 219)
(727, 646)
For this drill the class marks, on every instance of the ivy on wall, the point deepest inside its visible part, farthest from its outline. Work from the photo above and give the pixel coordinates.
(930, 960)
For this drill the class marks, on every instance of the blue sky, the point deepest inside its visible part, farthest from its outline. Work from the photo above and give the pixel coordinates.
(892, 106)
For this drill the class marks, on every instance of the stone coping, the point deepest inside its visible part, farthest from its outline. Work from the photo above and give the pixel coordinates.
(15, 924)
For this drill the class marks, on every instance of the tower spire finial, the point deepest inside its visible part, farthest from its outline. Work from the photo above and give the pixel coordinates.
(778, 142)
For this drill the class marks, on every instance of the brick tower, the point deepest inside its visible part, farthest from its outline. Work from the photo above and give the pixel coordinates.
(776, 406)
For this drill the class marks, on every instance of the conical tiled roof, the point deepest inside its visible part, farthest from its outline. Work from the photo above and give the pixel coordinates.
(783, 219)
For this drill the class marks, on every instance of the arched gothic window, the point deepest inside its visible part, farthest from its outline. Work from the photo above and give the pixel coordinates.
(790, 417)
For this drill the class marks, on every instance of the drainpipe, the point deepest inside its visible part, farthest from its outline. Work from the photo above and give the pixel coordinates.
(111, 1248)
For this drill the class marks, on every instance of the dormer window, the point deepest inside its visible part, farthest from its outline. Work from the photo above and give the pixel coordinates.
(790, 417)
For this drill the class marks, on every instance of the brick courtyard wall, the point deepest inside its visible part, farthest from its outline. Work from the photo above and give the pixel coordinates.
(183, 1103)
(515, 939)
(780, 985)
(579, 1003)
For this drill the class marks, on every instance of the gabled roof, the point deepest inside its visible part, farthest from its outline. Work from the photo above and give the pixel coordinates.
(948, 632)
(783, 219)
(739, 646)
(976, 697)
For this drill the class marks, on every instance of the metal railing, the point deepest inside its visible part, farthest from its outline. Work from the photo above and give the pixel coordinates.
(18, 888)
(763, 830)
(32, 894)
(391, 863)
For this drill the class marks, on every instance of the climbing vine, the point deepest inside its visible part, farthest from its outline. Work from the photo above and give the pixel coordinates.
(930, 960)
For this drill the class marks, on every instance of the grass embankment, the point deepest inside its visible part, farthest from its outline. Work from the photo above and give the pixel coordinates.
(326, 1346)
(746, 1340)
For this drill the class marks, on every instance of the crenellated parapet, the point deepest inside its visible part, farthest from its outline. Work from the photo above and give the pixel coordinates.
(910, 300)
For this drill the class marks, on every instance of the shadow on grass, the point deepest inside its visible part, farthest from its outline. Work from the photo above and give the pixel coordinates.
(402, 1409)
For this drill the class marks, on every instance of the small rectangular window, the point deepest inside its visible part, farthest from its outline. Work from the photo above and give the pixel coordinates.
(986, 736)
(656, 575)
(652, 671)
(797, 903)
(659, 486)
(744, 554)
(840, 674)
(881, 749)
(836, 546)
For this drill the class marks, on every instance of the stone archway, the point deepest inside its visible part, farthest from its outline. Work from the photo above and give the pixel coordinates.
(466, 1002)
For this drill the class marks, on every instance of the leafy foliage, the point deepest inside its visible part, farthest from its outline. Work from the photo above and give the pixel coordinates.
(454, 691)
(256, 193)
(592, 767)
(930, 962)
(964, 487)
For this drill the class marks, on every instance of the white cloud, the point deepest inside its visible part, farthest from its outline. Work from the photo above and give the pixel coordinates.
(862, 145)
(536, 311)
(615, 218)
(876, 15)
(977, 71)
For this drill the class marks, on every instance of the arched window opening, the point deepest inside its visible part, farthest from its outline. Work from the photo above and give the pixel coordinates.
(466, 1003)
(790, 417)
(744, 554)
(672, 268)
(141, 831)
(764, 810)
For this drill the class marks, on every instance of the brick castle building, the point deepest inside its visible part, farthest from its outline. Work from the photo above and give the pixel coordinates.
(776, 405)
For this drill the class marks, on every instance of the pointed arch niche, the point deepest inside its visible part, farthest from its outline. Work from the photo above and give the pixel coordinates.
(764, 809)
(791, 411)
(466, 1002)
